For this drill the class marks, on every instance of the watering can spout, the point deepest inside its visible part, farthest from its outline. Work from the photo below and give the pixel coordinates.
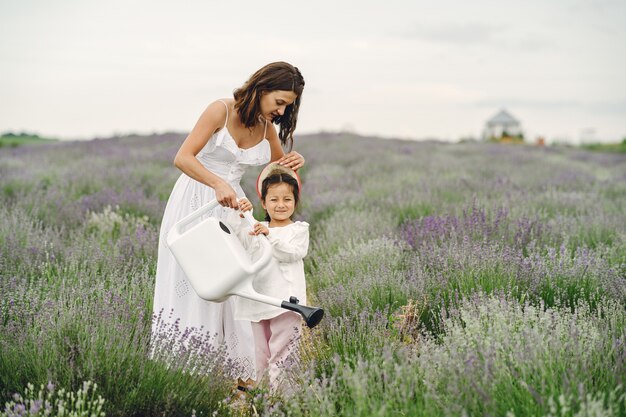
(311, 315)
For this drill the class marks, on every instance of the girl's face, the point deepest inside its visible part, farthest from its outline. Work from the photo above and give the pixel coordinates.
(274, 103)
(279, 204)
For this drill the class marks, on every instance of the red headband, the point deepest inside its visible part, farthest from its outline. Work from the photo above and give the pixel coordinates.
(275, 168)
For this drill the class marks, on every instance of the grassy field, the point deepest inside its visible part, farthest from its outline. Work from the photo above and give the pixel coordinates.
(607, 147)
(13, 140)
(458, 279)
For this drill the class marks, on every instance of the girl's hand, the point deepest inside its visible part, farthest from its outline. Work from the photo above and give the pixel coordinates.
(292, 160)
(259, 229)
(226, 196)
(244, 205)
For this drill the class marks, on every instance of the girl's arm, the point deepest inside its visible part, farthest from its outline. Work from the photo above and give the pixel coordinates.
(211, 120)
(241, 228)
(294, 248)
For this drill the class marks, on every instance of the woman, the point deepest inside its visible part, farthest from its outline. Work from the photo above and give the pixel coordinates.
(230, 135)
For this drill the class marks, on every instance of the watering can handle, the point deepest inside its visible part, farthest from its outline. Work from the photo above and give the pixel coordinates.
(265, 243)
(248, 216)
(176, 229)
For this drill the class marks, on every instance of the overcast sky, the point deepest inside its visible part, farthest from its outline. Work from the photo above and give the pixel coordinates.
(412, 69)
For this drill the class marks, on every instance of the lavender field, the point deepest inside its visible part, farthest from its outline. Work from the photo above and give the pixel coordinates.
(457, 279)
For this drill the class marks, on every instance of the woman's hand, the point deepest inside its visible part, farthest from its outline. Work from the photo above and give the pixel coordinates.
(226, 196)
(259, 229)
(292, 160)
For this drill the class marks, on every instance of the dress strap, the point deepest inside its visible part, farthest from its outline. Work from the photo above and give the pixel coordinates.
(265, 132)
(225, 105)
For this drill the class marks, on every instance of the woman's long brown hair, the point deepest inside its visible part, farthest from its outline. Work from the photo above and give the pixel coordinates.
(272, 77)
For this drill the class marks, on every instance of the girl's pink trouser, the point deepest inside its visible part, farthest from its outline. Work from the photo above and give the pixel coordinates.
(274, 341)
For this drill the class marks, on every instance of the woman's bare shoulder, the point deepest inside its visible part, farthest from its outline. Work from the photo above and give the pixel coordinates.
(229, 101)
(217, 111)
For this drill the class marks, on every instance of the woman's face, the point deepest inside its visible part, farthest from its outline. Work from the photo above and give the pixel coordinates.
(274, 103)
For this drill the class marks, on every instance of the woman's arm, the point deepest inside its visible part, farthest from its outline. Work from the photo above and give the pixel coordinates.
(275, 146)
(292, 160)
(210, 121)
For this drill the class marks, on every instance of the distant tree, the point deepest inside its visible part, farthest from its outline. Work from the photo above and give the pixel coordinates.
(11, 135)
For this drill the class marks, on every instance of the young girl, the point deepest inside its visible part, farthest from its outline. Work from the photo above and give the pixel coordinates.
(275, 330)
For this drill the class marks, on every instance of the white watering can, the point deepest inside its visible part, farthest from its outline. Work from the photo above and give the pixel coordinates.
(218, 266)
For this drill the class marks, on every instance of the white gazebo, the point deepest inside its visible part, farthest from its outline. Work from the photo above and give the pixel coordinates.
(502, 126)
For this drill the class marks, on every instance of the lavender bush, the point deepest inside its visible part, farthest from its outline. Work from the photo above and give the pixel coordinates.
(47, 401)
(466, 279)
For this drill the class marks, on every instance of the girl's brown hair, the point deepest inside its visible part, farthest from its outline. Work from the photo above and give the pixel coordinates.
(272, 77)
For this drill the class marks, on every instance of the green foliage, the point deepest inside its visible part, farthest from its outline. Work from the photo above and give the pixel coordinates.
(619, 147)
(436, 304)
(14, 140)
(516, 356)
(48, 401)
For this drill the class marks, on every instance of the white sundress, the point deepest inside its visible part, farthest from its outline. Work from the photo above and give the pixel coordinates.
(174, 298)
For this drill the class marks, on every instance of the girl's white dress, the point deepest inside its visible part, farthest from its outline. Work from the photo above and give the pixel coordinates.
(283, 277)
(174, 298)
